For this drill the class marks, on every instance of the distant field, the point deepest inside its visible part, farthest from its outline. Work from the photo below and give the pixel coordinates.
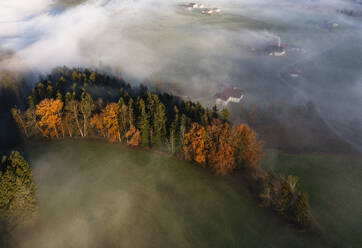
(334, 184)
(95, 194)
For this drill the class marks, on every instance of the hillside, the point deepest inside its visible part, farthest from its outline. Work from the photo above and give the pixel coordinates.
(133, 198)
(333, 183)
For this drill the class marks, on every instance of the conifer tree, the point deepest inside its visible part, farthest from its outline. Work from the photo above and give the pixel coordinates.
(205, 119)
(41, 91)
(214, 113)
(183, 131)
(174, 131)
(159, 125)
(225, 115)
(59, 96)
(49, 91)
(131, 117)
(17, 192)
(143, 124)
(123, 119)
(151, 109)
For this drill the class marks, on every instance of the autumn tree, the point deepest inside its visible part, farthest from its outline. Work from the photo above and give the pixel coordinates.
(248, 148)
(133, 136)
(73, 115)
(220, 149)
(111, 123)
(86, 107)
(194, 144)
(97, 122)
(49, 111)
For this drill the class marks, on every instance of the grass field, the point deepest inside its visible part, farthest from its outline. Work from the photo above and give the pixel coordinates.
(334, 185)
(95, 194)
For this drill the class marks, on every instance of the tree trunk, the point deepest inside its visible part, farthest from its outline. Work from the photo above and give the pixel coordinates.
(77, 121)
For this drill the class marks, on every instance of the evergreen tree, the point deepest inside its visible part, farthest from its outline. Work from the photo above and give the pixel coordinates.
(214, 113)
(159, 124)
(143, 124)
(151, 109)
(59, 96)
(183, 131)
(131, 117)
(17, 192)
(205, 119)
(49, 91)
(41, 91)
(225, 115)
(123, 119)
(174, 131)
(31, 102)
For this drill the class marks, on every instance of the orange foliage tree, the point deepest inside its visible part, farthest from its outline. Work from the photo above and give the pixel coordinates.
(97, 122)
(194, 145)
(49, 111)
(220, 148)
(248, 148)
(111, 123)
(133, 136)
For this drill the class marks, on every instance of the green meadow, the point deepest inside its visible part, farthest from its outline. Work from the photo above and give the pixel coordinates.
(334, 186)
(96, 194)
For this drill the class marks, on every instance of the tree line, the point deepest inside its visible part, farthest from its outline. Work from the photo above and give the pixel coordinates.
(143, 122)
(138, 117)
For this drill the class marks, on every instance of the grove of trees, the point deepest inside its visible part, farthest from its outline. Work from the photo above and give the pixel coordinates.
(65, 105)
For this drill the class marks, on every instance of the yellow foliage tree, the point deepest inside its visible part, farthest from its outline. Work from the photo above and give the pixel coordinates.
(133, 136)
(49, 111)
(97, 122)
(194, 144)
(220, 148)
(111, 123)
(248, 148)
